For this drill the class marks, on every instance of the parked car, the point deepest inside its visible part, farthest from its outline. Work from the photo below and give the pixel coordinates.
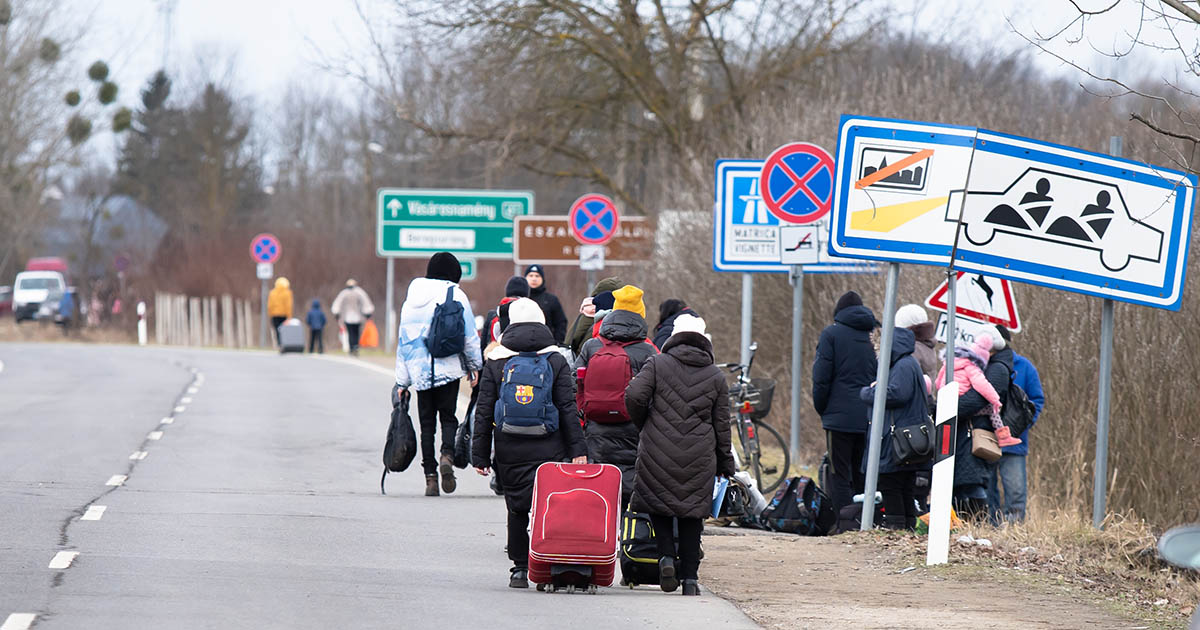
(6, 299)
(32, 289)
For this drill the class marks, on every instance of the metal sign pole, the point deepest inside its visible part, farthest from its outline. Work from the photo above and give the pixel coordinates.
(390, 305)
(797, 277)
(262, 320)
(747, 314)
(1103, 401)
(881, 386)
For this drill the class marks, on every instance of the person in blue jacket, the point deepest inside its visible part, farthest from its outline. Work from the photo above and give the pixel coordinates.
(1010, 470)
(316, 328)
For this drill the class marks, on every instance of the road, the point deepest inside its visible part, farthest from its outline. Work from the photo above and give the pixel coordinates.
(257, 506)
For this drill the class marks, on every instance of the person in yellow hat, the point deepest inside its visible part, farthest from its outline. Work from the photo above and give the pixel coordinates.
(279, 304)
(629, 298)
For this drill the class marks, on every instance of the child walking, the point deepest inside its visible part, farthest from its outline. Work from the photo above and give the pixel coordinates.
(969, 364)
(316, 328)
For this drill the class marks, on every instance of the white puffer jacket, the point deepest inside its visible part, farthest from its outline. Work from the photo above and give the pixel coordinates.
(416, 315)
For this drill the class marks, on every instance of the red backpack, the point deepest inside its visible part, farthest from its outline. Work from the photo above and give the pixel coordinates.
(608, 374)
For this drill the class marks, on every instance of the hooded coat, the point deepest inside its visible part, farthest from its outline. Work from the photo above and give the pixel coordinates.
(581, 330)
(905, 404)
(416, 315)
(845, 364)
(968, 469)
(517, 457)
(316, 317)
(279, 300)
(556, 320)
(662, 332)
(681, 404)
(617, 444)
(924, 350)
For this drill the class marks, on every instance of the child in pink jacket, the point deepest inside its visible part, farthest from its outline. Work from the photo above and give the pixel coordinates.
(969, 364)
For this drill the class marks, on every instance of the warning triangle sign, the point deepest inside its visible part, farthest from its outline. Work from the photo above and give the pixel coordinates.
(979, 298)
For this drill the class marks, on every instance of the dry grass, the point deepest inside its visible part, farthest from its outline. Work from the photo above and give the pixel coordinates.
(42, 332)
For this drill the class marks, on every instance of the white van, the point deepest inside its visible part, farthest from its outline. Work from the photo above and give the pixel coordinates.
(34, 287)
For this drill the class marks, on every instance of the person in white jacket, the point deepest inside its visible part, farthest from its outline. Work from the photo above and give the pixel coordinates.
(436, 381)
(352, 307)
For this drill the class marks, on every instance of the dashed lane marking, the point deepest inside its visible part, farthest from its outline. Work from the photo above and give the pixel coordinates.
(186, 400)
(93, 513)
(116, 480)
(193, 390)
(1, 366)
(154, 435)
(18, 621)
(63, 559)
(139, 455)
(180, 409)
(168, 420)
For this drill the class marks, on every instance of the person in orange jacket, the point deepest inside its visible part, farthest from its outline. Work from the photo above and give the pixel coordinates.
(279, 304)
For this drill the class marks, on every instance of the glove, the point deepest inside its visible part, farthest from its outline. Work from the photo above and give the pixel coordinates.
(399, 394)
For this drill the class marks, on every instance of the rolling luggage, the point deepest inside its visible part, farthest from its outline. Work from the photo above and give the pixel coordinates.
(574, 543)
(291, 336)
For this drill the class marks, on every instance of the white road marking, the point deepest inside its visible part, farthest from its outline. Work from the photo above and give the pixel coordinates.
(18, 621)
(154, 435)
(139, 455)
(1, 366)
(362, 364)
(186, 399)
(63, 559)
(93, 513)
(193, 390)
(168, 420)
(180, 409)
(116, 480)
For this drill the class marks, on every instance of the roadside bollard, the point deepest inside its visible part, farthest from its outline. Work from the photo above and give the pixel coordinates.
(141, 325)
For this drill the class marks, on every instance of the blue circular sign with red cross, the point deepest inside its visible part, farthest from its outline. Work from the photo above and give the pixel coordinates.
(593, 219)
(797, 183)
(265, 248)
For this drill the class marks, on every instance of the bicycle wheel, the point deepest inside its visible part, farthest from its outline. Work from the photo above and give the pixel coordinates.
(773, 459)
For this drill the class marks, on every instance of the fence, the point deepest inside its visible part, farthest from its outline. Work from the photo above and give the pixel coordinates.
(181, 320)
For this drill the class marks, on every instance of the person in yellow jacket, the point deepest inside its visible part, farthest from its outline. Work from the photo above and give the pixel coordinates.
(279, 304)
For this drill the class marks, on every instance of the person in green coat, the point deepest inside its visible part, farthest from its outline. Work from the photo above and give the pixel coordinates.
(581, 330)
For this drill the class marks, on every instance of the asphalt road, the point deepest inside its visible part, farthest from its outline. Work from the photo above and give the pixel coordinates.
(257, 506)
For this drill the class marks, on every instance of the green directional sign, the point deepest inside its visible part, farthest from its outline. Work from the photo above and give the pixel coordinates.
(468, 268)
(413, 223)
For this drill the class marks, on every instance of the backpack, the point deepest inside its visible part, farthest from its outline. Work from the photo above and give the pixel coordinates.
(1018, 412)
(401, 445)
(800, 507)
(525, 406)
(447, 331)
(608, 374)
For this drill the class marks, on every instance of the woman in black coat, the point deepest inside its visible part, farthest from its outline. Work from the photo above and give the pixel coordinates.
(972, 474)
(681, 403)
(518, 457)
(905, 406)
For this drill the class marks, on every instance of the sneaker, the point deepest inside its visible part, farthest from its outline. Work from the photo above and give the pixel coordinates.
(446, 467)
(431, 485)
(518, 577)
(666, 574)
(691, 587)
(1005, 438)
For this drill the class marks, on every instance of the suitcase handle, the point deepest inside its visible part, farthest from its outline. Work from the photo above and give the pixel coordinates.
(573, 470)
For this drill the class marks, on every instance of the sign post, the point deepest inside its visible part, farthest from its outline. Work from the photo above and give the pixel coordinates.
(881, 387)
(547, 240)
(264, 250)
(797, 278)
(1100, 483)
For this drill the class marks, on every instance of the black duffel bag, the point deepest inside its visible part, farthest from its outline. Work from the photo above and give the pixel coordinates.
(401, 445)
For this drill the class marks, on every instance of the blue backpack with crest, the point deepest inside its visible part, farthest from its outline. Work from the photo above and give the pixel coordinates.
(526, 403)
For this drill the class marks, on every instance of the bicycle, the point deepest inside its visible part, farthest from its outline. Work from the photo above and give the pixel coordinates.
(764, 453)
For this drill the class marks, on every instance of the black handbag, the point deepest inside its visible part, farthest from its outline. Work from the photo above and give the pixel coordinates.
(913, 444)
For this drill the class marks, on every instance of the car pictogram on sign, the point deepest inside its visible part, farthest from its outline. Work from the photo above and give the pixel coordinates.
(1062, 209)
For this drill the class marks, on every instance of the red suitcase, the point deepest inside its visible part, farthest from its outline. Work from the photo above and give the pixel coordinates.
(576, 509)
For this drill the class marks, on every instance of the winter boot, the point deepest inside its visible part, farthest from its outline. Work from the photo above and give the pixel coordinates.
(431, 487)
(446, 467)
(666, 574)
(1005, 437)
(518, 577)
(893, 522)
(691, 587)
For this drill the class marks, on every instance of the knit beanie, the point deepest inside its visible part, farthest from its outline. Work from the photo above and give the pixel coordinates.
(444, 266)
(982, 348)
(848, 299)
(1005, 334)
(525, 310)
(516, 287)
(535, 268)
(629, 298)
(604, 301)
(910, 315)
(998, 342)
(688, 323)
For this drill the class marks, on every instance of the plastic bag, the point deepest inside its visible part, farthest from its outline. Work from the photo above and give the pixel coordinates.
(370, 335)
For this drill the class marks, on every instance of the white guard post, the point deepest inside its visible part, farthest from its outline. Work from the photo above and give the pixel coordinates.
(942, 485)
(141, 325)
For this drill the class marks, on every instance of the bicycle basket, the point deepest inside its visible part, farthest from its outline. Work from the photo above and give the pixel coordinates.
(759, 394)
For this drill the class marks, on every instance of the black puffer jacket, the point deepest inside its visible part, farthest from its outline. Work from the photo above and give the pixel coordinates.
(662, 332)
(617, 444)
(681, 403)
(845, 364)
(970, 470)
(517, 458)
(905, 404)
(556, 320)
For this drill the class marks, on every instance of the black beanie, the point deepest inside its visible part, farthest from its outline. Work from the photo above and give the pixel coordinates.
(516, 287)
(444, 266)
(848, 299)
(604, 301)
(535, 268)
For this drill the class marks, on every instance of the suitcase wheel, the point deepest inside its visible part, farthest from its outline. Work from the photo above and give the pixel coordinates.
(570, 589)
(541, 588)
(591, 589)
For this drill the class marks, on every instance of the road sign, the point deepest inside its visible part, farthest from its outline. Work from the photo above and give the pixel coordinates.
(591, 257)
(798, 244)
(412, 223)
(265, 271)
(1031, 211)
(797, 182)
(469, 268)
(593, 219)
(981, 299)
(265, 248)
(965, 330)
(547, 240)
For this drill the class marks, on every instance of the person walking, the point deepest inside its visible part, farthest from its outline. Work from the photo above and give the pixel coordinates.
(66, 311)
(845, 363)
(279, 305)
(316, 328)
(518, 452)
(516, 287)
(352, 307)
(1010, 470)
(556, 320)
(670, 309)
(972, 474)
(604, 368)
(581, 328)
(681, 404)
(436, 380)
(906, 405)
(914, 318)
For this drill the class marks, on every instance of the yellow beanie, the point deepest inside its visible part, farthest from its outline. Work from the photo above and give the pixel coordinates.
(629, 298)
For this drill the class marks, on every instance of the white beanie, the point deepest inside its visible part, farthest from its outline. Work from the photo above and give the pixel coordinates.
(910, 315)
(525, 310)
(688, 323)
(998, 342)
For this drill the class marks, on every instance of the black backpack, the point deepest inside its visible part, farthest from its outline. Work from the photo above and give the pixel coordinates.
(447, 332)
(800, 507)
(1018, 412)
(401, 445)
